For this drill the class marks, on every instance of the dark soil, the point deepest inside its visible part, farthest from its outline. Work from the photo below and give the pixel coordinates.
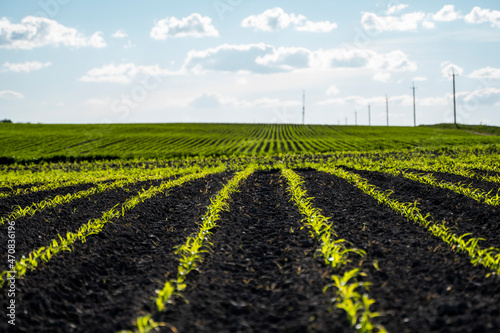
(103, 284)
(261, 275)
(463, 214)
(67, 217)
(7, 204)
(421, 286)
(464, 181)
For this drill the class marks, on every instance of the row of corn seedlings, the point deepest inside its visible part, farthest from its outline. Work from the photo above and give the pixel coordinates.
(487, 257)
(30, 210)
(477, 194)
(191, 252)
(351, 295)
(65, 243)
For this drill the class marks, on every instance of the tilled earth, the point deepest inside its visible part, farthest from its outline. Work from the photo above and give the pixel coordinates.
(260, 274)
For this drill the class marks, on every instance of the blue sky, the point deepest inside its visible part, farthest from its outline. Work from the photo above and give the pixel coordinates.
(69, 61)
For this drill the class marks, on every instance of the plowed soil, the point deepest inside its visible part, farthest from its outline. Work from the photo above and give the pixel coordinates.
(260, 274)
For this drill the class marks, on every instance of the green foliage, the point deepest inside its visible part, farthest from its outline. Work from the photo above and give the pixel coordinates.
(26, 143)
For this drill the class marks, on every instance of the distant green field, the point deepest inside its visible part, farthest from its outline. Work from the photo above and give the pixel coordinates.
(31, 142)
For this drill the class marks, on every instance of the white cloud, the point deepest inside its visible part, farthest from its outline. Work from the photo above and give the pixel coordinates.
(194, 25)
(286, 58)
(276, 19)
(447, 14)
(34, 32)
(483, 95)
(419, 78)
(396, 8)
(332, 91)
(406, 22)
(123, 73)
(478, 15)
(25, 67)
(267, 59)
(322, 26)
(10, 94)
(485, 73)
(120, 33)
(447, 68)
(231, 58)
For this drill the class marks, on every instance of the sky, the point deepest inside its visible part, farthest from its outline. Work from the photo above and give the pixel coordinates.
(249, 61)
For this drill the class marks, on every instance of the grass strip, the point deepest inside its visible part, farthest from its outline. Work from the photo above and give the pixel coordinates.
(56, 246)
(191, 252)
(487, 257)
(335, 253)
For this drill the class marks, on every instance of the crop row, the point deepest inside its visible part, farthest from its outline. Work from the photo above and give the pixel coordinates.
(31, 142)
(65, 243)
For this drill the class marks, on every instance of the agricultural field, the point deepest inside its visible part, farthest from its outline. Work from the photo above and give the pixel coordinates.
(399, 240)
(26, 143)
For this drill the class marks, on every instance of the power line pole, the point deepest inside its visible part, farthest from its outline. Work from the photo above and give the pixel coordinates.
(414, 107)
(369, 116)
(387, 108)
(303, 107)
(346, 121)
(454, 98)
(356, 117)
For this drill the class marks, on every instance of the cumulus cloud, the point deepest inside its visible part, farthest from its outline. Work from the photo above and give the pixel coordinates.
(276, 19)
(10, 94)
(267, 59)
(447, 14)
(478, 15)
(409, 21)
(447, 68)
(24, 67)
(231, 58)
(382, 77)
(396, 61)
(123, 73)
(485, 73)
(194, 25)
(33, 32)
(419, 78)
(489, 96)
(120, 33)
(406, 22)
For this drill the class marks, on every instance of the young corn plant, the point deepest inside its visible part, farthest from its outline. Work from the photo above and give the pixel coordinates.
(95, 226)
(489, 258)
(336, 253)
(190, 253)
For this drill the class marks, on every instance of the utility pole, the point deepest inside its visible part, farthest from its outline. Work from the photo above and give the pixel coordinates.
(369, 116)
(414, 107)
(346, 121)
(454, 98)
(387, 108)
(356, 117)
(303, 107)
